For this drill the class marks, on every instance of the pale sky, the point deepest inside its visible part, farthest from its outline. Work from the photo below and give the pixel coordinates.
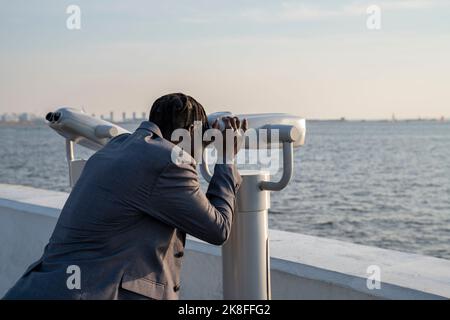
(315, 59)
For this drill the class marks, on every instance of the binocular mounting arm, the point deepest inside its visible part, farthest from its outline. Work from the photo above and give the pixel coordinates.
(288, 135)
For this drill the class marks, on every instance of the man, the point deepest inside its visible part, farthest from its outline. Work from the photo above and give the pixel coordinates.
(122, 230)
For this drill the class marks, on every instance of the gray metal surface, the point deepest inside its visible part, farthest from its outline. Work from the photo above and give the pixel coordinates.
(245, 254)
(290, 128)
(288, 169)
(83, 129)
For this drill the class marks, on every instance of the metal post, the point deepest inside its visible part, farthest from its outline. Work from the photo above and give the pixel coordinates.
(246, 268)
(70, 159)
(75, 166)
(245, 256)
(69, 150)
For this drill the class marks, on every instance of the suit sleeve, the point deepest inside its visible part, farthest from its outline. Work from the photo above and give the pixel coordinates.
(177, 200)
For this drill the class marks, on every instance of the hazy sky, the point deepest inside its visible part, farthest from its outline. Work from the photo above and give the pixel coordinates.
(311, 58)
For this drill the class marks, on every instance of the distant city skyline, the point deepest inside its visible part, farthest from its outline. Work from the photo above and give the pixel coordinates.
(122, 117)
(111, 116)
(317, 60)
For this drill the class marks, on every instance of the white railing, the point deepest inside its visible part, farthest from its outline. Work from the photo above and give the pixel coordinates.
(303, 267)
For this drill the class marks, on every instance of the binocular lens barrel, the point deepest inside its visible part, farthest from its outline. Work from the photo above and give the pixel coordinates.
(53, 117)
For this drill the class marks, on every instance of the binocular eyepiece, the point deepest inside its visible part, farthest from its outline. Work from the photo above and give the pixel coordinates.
(53, 117)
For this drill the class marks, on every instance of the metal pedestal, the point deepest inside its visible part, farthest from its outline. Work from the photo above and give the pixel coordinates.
(246, 268)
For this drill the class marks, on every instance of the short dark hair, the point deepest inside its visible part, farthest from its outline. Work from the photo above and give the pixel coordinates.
(176, 110)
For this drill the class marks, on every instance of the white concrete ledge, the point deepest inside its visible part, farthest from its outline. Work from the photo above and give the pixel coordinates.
(303, 267)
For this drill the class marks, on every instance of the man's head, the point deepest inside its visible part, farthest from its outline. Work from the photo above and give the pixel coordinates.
(177, 111)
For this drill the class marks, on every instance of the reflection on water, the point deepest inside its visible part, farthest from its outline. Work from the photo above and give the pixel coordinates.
(376, 183)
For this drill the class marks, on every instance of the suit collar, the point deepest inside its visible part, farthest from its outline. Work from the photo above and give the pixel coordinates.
(182, 156)
(150, 126)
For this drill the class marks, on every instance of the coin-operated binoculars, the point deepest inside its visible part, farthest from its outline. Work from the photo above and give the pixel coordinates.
(78, 127)
(245, 255)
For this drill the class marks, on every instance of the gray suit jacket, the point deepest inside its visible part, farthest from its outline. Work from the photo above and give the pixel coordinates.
(125, 222)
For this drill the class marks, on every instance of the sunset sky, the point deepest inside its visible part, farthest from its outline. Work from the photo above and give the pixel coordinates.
(311, 58)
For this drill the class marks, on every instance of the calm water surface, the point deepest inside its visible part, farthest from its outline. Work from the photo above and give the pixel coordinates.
(377, 183)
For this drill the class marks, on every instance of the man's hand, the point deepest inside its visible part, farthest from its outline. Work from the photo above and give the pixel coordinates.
(233, 137)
